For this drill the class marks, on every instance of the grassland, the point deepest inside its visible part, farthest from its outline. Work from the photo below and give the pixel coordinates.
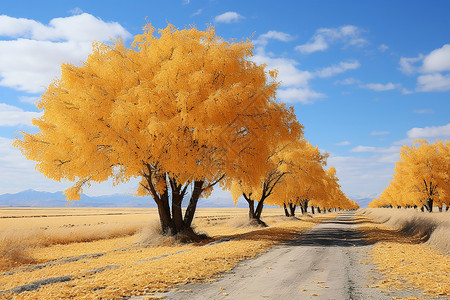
(111, 253)
(411, 248)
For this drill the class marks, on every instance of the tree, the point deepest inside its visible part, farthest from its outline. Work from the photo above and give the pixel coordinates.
(185, 110)
(421, 179)
(305, 178)
(276, 166)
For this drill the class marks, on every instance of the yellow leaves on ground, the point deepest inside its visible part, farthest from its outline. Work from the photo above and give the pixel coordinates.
(405, 261)
(144, 269)
(416, 264)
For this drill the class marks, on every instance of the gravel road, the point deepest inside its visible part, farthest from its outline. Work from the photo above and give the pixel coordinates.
(325, 263)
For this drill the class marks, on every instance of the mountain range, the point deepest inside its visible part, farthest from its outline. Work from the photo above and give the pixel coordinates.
(32, 198)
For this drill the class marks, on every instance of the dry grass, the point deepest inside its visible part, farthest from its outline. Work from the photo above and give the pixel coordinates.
(432, 228)
(401, 254)
(144, 263)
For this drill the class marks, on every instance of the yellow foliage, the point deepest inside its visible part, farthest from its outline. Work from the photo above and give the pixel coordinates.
(422, 177)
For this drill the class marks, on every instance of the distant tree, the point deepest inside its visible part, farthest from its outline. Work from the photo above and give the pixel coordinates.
(421, 179)
(182, 111)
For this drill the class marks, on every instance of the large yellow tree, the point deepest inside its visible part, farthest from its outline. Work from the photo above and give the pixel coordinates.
(421, 179)
(182, 110)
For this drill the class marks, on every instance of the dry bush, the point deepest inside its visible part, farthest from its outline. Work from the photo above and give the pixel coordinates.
(432, 228)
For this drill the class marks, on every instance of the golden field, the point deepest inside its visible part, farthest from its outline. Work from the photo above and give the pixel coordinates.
(411, 248)
(111, 253)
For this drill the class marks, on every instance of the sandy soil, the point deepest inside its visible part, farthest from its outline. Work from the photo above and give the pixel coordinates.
(328, 262)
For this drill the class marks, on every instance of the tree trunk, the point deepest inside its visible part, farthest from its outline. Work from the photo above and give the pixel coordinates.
(312, 210)
(318, 210)
(430, 205)
(164, 213)
(285, 210)
(259, 208)
(177, 213)
(301, 208)
(192, 206)
(292, 209)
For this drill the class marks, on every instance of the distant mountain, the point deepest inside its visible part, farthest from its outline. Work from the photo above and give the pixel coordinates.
(32, 198)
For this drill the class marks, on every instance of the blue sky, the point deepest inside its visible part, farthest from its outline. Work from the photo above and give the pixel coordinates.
(364, 77)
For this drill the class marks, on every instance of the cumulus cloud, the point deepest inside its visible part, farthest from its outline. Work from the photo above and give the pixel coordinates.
(339, 68)
(264, 38)
(344, 143)
(383, 47)
(294, 81)
(83, 27)
(289, 73)
(429, 132)
(13, 116)
(433, 83)
(299, 95)
(198, 12)
(379, 87)
(347, 81)
(28, 99)
(391, 149)
(349, 35)
(437, 61)
(228, 17)
(31, 56)
(407, 64)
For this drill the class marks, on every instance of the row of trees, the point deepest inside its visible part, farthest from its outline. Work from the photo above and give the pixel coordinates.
(184, 112)
(421, 179)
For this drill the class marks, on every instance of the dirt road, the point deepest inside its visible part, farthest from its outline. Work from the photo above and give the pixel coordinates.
(323, 264)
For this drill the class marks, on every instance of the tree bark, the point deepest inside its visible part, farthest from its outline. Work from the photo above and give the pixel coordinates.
(318, 210)
(292, 209)
(430, 205)
(312, 209)
(192, 206)
(285, 210)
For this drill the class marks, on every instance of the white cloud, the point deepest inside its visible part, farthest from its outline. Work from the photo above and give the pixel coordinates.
(30, 62)
(407, 64)
(228, 17)
(344, 143)
(429, 132)
(423, 111)
(383, 47)
(354, 172)
(433, 83)
(437, 61)
(347, 81)
(84, 27)
(299, 95)
(349, 35)
(318, 44)
(379, 87)
(198, 12)
(76, 11)
(273, 35)
(379, 132)
(30, 100)
(339, 68)
(13, 116)
(391, 149)
(289, 74)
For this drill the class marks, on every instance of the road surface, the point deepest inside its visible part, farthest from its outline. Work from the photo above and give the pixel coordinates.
(325, 263)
